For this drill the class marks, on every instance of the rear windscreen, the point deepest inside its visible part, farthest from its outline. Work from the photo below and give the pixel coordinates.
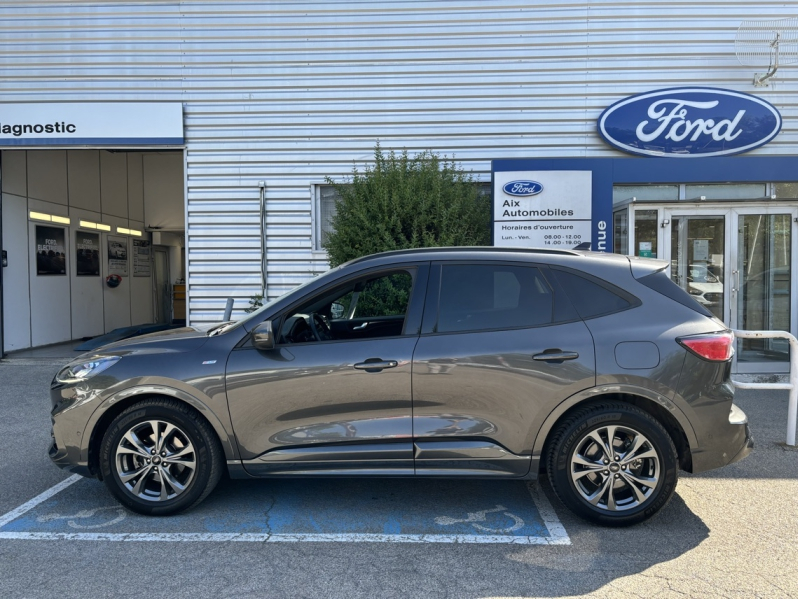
(661, 283)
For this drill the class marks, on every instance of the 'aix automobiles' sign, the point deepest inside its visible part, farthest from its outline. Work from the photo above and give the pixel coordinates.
(689, 122)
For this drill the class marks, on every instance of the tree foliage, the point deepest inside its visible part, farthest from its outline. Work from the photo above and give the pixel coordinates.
(404, 201)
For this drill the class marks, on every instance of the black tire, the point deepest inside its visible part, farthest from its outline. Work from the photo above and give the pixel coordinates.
(611, 484)
(192, 436)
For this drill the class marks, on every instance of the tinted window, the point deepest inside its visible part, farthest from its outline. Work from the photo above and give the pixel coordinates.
(661, 283)
(360, 309)
(591, 297)
(488, 296)
(385, 296)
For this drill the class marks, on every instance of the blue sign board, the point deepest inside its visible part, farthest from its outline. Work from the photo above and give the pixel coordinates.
(689, 122)
(522, 188)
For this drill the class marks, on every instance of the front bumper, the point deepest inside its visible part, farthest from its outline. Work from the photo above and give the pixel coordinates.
(67, 460)
(72, 406)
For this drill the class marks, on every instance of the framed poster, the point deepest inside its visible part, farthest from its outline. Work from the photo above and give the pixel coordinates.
(141, 258)
(50, 251)
(117, 255)
(87, 254)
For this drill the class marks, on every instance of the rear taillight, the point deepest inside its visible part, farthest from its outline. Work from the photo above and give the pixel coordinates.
(716, 347)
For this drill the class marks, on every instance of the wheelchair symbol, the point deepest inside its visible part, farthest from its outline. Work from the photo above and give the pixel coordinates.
(71, 520)
(475, 517)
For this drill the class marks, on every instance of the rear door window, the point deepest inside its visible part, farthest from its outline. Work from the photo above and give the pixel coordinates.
(477, 297)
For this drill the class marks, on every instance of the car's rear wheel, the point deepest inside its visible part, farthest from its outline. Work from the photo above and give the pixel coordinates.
(612, 463)
(160, 457)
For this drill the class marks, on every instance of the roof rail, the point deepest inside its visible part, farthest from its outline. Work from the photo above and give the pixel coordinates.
(476, 248)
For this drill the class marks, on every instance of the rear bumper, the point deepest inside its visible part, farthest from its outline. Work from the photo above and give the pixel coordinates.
(730, 443)
(746, 448)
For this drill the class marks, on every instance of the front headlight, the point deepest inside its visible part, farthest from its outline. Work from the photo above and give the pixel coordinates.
(82, 369)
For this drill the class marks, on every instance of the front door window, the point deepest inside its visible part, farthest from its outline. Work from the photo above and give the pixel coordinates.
(362, 309)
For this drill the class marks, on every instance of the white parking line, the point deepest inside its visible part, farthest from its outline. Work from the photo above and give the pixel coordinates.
(557, 533)
(223, 537)
(42, 497)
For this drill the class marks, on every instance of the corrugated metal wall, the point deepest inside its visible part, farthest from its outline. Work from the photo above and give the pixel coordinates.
(291, 92)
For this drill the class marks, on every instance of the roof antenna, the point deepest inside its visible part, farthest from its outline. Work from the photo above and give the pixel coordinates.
(774, 42)
(584, 246)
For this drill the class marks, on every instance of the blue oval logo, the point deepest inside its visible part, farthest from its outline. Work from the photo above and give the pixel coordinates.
(522, 188)
(689, 122)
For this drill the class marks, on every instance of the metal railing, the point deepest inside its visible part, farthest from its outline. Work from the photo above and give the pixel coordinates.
(792, 386)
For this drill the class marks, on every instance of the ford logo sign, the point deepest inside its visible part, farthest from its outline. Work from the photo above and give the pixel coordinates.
(689, 122)
(522, 188)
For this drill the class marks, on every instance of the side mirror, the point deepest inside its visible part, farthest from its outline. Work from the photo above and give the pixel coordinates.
(263, 335)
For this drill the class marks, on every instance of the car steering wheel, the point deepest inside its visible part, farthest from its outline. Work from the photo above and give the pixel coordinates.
(321, 330)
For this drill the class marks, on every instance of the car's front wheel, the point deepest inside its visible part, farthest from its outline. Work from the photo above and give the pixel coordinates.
(612, 463)
(160, 457)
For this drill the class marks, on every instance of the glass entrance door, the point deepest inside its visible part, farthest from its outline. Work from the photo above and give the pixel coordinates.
(738, 263)
(762, 287)
(698, 252)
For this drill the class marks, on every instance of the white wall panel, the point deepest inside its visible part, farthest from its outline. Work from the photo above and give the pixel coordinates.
(113, 180)
(83, 179)
(16, 288)
(291, 92)
(163, 190)
(47, 176)
(86, 292)
(49, 297)
(14, 172)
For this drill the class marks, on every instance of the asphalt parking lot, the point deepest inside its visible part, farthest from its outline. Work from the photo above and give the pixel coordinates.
(728, 533)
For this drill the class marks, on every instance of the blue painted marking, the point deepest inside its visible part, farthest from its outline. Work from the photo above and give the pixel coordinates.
(296, 507)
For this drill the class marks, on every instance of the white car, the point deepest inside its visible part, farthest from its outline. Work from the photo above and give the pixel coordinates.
(704, 286)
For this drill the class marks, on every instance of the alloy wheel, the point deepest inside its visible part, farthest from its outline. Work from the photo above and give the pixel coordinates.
(615, 468)
(155, 460)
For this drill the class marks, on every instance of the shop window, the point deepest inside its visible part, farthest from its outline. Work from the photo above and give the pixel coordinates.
(743, 191)
(326, 196)
(786, 190)
(645, 233)
(620, 225)
(645, 193)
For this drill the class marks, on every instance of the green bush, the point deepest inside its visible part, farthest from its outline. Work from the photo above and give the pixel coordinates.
(403, 202)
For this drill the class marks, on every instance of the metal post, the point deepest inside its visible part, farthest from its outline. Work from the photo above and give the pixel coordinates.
(228, 309)
(263, 275)
(792, 410)
(792, 386)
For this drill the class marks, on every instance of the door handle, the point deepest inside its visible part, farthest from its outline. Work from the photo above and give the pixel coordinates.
(376, 365)
(361, 327)
(555, 356)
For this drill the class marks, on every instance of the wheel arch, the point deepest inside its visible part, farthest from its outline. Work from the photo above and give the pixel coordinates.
(118, 403)
(664, 410)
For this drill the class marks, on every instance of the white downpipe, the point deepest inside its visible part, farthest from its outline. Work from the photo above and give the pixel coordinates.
(792, 386)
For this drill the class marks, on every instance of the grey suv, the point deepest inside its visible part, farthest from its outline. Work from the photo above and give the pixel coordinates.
(457, 362)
